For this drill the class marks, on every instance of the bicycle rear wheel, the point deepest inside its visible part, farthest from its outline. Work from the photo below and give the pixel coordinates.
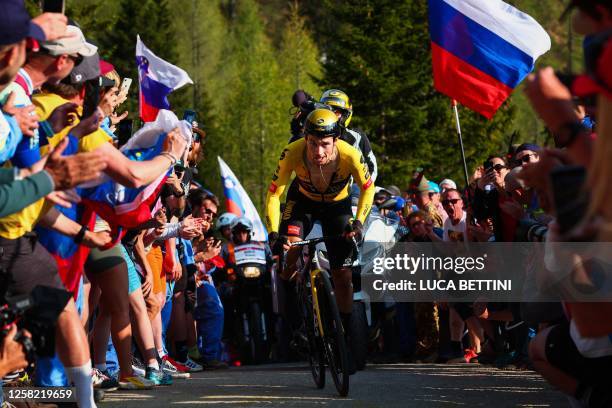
(333, 338)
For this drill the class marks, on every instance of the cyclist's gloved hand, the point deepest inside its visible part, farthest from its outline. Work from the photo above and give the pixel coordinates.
(355, 229)
(276, 242)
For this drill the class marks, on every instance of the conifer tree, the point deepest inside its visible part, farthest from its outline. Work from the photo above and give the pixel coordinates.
(299, 56)
(255, 118)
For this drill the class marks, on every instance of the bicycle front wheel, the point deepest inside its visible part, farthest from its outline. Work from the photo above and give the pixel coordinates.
(316, 350)
(333, 336)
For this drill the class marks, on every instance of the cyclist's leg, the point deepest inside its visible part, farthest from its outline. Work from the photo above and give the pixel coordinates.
(295, 225)
(334, 219)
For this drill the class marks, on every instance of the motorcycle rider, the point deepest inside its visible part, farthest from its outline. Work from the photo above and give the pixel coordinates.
(242, 230)
(224, 225)
(242, 250)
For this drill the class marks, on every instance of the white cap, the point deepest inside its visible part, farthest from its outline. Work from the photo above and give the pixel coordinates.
(71, 44)
(450, 184)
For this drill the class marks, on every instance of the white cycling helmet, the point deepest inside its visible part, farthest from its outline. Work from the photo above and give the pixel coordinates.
(243, 222)
(225, 220)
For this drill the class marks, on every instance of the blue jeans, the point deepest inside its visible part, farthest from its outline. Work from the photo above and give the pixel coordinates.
(208, 315)
(112, 362)
(166, 312)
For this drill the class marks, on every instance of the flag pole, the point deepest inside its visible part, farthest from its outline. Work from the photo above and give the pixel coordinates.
(458, 123)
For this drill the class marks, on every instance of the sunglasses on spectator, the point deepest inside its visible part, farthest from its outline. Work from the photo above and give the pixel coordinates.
(76, 58)
(452, 201)
(527, 158)
(498, 167)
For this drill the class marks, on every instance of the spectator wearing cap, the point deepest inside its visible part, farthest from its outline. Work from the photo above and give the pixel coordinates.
(527, 153)
(446, 184)
(434, 195)
(423, 201)
(53, 61)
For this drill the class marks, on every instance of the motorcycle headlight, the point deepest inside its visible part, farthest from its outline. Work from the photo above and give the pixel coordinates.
(251, 272)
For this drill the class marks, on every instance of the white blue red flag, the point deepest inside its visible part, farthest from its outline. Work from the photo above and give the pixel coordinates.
(157, 79)
(237, 201)
(122, 207)
(482, 49)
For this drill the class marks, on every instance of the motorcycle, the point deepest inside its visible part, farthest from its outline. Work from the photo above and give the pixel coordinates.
(250, 291)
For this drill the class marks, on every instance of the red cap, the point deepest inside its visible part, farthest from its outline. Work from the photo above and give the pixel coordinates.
(106, 67)
(601, 80)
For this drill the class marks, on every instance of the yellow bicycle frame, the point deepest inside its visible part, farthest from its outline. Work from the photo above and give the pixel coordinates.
(315, 300)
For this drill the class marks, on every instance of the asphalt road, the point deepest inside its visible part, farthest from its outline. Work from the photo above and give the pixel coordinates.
(389, 385)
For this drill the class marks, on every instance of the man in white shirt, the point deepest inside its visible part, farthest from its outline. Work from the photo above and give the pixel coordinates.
(455, 227)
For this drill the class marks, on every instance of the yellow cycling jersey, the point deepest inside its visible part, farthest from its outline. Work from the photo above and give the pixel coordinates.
(351, 163)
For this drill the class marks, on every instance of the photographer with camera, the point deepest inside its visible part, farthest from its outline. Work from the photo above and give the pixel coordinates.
(489, 199)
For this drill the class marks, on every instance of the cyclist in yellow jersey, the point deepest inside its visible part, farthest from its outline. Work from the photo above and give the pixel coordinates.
(323, 166)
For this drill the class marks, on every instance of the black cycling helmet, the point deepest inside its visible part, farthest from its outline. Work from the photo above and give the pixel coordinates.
(322, 123)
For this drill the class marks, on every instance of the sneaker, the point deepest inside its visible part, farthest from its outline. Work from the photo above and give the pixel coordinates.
(158, 377)
(182, 368)
(138, 367)
(168, 368)
(104, 382)
(136, 382)
(191, 365)
(19, 377)
(471, 356)
(215, 365)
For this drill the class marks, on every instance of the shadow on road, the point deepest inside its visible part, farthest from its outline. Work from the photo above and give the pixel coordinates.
(389, 385)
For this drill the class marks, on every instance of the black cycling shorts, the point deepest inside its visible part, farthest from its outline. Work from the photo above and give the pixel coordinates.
(24, 264)
(301, 213)
(562, 353)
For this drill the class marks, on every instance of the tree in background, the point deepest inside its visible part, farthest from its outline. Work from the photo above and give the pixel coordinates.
(254, 122)
(151, 20)
(299, 56)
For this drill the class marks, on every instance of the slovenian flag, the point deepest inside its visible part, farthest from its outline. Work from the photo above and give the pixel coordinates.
(481, 50)
(157, 79)
(238, 202)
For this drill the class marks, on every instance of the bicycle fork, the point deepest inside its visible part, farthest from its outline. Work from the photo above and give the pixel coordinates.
(315, 305)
